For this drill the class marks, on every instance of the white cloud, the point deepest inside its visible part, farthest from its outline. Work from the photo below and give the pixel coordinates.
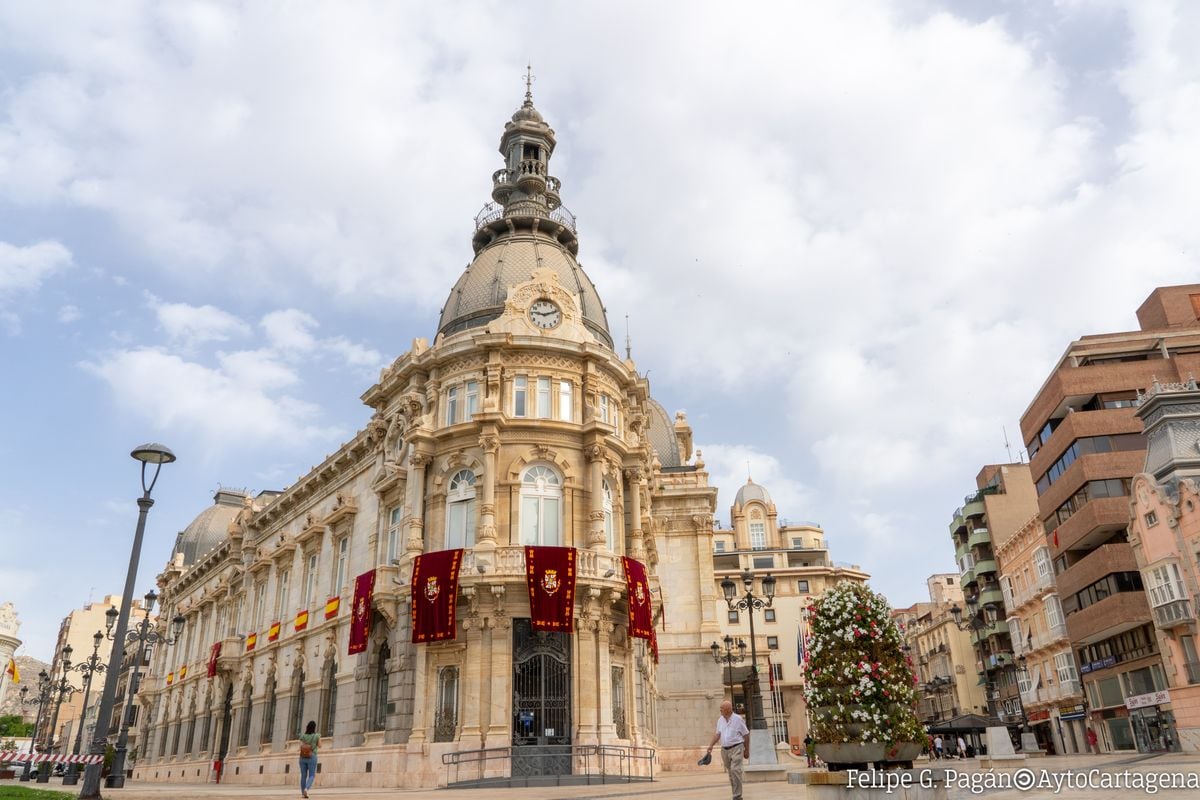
(24, 268)
(69, 313)
(192, 325)
(290, 330)
(730, 465)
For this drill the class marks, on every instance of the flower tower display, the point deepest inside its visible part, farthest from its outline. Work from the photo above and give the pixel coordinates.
(858, 683)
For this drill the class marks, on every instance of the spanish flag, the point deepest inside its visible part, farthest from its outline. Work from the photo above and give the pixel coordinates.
(251, 640)
(183, 672)
(13, 672)
(331, 606)
(302, 620)
(273, 632)
(170, 678)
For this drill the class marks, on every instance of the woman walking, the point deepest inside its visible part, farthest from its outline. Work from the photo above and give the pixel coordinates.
(308, 756)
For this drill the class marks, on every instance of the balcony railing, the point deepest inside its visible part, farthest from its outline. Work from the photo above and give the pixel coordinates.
(493, 212)
(1174, 613)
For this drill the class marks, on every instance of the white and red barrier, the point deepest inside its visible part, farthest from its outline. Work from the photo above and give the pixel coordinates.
(13, 757)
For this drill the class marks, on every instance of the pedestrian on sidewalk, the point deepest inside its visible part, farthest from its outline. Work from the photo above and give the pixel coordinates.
(309, 740)
(937, 746)
(1092, 746)
(962, 748)
(734, 737)
(810, 750)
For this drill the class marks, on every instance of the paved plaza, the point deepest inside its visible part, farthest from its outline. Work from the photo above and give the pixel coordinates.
(711, 785)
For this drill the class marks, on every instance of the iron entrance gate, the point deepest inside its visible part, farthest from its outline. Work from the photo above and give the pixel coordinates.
(541, 702)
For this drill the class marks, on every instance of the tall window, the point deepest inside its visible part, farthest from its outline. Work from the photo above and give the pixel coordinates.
(343, 560)
(1041, 559)
(1054, 614)
(564, 401)
(268, 724)
(1010, 599)
(452, 405)
(379, 712)
(445, 716)
(247, 711)
(609, 532)
(1014, 633)
(604, 408)
(520, 396)
(395, 517)
(283, 595)
(541, 507)
(460, 510)
(310, 579)
(472, 399)
(618, 701)
(260, 604)
(1064, 665)
(543, 398)
(206, 726)
(296, 717)
(758, 536)
(1166, 585)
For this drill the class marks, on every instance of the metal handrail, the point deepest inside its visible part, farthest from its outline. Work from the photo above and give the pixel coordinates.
(589, 763)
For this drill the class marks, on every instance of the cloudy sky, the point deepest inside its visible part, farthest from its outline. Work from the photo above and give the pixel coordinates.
(851, 239)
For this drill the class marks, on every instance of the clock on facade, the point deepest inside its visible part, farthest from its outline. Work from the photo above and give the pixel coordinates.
(545, 314)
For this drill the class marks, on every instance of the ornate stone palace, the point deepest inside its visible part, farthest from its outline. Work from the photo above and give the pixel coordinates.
(520, 425)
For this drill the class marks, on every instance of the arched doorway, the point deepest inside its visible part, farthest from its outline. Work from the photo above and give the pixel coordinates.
(541, 702)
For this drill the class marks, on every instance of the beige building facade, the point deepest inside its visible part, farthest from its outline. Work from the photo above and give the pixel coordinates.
(758, 543)
(519, 425)
(941, 653)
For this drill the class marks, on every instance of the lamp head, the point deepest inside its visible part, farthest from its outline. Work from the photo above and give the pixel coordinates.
(66, 656)
(728, 587)
(177, 625)
(990, 613)
(748, 580)
(742, 647)
(99, 637)
(151, 598)
(153, 453)
(973, 604)
(716, 651)
(768, 585)
(728, 642)
(110, 618)
(956, 612)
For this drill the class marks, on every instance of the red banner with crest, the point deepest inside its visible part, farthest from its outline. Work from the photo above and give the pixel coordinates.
(550, 576)
(435, 595)
(641, 616)
(360, 619)
(213, 655)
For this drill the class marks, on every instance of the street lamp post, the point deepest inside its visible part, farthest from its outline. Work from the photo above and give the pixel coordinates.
(90, 666)
(976, 625)
(750, 603)
(144, 632)
(40, 700)
(58, 689)
(157, 455)
(733, 654)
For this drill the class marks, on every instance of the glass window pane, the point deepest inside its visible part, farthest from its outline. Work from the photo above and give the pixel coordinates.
(543, 398)
(564, 401)
(455, 517)
(550, 533)
(520, 387)
(468, 523)
(529, 520)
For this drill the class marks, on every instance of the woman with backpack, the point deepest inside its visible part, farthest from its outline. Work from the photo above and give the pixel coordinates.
(308, 756)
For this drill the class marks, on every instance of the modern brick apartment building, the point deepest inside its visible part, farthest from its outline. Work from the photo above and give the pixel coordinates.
(1085, 445)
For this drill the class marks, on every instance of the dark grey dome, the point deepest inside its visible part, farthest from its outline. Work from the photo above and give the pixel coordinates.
(478, 296)
(210, 528)
(661, 434)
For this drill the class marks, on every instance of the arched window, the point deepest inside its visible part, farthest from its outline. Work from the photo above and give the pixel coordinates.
(541, 506)
(610, 535)
(379, 715)
(460, 510)
(296, 719)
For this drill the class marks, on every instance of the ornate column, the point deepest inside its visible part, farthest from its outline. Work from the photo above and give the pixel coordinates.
(414, 543)
(499, 697)
(587, 691)
(489, 442)
(637, 548)
(470, 735)
(607, 728)
(596, 537)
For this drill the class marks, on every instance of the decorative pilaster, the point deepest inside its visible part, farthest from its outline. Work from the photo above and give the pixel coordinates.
(637, 545)
(490, 444)
(414, 543)
(587, 693)
(470, 734)
(596, 456)
(499, 715)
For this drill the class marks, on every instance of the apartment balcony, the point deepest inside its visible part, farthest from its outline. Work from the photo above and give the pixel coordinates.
(1094, 522)
(986, 566)
(1114, 614)
(991, 596)
(975, 508)
(1104, 560)
(1090, 467)
(1174, 614)
(968, 577)
(979, 537)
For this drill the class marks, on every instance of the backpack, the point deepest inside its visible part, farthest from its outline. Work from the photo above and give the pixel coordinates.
(305, 750)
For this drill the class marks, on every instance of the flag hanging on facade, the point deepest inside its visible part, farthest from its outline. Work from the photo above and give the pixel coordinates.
(641, 619)
(332, 605)
(435, 595)
(251, 640)
(170, 678)
(550, 578)
(183, 672)
(13, 672)
(301, 621)
(799, 644)
(360, 619)
(212, 659)
(273, 632)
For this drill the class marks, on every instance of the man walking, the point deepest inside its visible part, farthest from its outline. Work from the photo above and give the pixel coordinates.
(734, 738)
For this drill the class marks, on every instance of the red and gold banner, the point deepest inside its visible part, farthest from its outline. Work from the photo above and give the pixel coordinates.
(212, 660)
(654, 644)
(360, 615)
(251, 640)
(183, 672)
(331, 606)
(273, 632)
(641, 618)
(302, 620)
(170, 678)
(550, 577)
(435, 595)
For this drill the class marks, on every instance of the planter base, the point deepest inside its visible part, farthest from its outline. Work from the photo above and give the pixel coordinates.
(864, 755)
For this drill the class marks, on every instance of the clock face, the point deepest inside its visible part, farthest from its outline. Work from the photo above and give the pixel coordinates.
(545, 314)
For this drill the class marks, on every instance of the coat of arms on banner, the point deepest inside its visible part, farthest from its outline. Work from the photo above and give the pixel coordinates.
(550, 582)
(432, 590)
(640, 595)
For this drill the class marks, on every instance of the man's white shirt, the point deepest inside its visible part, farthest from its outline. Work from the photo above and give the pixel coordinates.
(732, 731)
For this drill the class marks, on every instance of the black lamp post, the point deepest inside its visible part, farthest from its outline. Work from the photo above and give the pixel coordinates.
(143, 633)
(59, 689)
(749, 603)
(733, 654)
(976, 625)
(40, 700)
(934, 687)
(157, 455)
(90, 666)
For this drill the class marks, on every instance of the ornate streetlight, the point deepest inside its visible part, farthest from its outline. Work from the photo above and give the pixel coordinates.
(976, 623)
(749, 603)
(90, 666)
(733, 654)
(157, 455)
(40, 700)
(59, 689)
(143, 633)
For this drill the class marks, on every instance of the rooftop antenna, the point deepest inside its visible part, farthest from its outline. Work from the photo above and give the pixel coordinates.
(628, 342)
(1007, 446)
(529, 79)
(749, 478)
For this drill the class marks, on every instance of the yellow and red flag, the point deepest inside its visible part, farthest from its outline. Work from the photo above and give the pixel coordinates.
(13, 672)
(273, 632)
(251, 640)
(331, 606)
(170, 678)
(302, 620)
(183, 672)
